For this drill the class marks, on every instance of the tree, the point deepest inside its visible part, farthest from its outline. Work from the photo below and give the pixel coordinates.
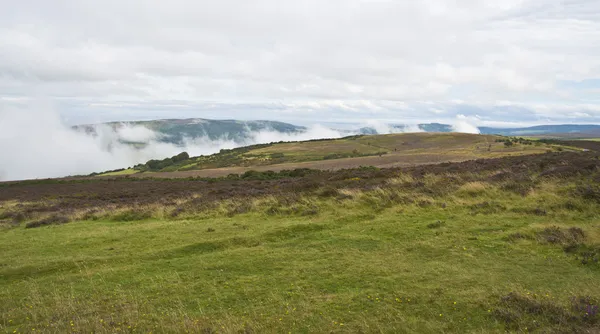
(181, 157)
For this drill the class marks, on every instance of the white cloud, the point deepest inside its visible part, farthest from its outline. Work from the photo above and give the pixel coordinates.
(334, 52)
(135, 133)
(35, 143)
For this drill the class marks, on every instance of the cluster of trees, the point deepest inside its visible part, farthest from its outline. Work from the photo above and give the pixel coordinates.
(156, 165)
(510, 141)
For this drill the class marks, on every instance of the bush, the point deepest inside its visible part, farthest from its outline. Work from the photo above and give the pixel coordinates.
(556, 235)
(52, 220)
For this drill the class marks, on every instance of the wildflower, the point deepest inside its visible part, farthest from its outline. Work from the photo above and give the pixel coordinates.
(454, 303)
(440, 314)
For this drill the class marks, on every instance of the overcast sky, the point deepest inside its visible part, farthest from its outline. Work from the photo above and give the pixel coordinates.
(491, 62)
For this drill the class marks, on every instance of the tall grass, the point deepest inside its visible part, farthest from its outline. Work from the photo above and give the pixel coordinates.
(450, 252)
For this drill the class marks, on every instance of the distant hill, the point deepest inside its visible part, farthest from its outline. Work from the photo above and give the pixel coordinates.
(562, 130)
(175, 130)
(559, 131)
(395, 128)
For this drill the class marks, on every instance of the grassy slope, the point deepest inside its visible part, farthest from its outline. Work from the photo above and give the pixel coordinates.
(397, 144)
(402, 148)
(129, 171)
(371, 262)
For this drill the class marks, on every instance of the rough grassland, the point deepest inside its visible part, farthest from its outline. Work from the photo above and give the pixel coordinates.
(383, 151)
(473, 247)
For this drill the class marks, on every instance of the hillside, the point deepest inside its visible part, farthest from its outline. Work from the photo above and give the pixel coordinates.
(497, 245)
(561, 130)
(377, 150)
(175, 130)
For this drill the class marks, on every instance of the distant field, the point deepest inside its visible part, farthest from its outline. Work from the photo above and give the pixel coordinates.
(488, 246)
(128, 171)
(383, 151)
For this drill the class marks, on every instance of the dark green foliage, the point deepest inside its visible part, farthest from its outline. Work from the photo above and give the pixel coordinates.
(180, 157)
(108, 171)
(511, 141)
(157, 165)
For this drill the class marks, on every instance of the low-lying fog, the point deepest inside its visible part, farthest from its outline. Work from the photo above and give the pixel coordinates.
(37, 144)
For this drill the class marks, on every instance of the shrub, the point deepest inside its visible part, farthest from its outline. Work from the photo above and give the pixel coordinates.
(556, 235)
(437, 224)
(52, 220)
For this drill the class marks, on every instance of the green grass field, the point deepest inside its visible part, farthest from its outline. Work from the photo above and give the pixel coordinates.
(415, 254)
(128, 171)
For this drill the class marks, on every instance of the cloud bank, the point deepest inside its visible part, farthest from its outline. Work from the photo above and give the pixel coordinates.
(524, 61)
(38, 144)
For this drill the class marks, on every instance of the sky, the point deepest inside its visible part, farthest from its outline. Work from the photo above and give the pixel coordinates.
(495, 63)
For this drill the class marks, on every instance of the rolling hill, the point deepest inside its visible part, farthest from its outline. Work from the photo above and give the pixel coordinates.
(175, 130)
(390, 150)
